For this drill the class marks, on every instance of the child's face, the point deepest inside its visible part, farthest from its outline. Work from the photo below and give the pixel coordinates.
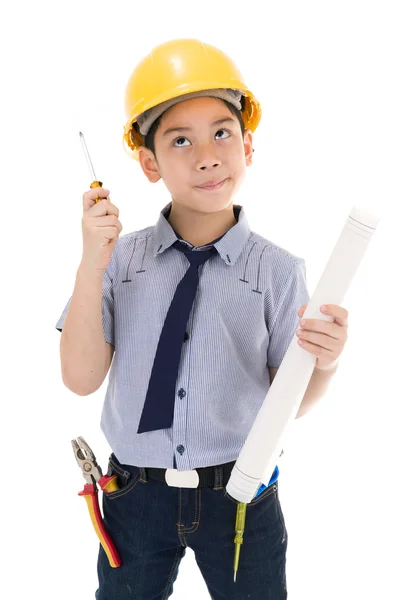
(203, 152)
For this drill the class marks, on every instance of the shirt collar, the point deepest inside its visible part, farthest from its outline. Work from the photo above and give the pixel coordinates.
(229, 245)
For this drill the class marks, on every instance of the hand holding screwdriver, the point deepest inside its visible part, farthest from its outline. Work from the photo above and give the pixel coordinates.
(100, 229)
(100, 224)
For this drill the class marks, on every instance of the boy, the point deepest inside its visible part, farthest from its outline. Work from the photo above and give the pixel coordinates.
(200, 311)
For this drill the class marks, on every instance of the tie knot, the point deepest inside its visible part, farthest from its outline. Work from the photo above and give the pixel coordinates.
(195, 257)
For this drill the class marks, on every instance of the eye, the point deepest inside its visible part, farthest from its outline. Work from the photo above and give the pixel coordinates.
(226, 131)
(177, 140)
(183, 138)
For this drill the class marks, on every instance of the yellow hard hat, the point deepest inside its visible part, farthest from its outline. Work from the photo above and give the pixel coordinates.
(176, 68)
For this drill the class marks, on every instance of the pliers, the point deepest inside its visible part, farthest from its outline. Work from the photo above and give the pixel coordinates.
(92, 474)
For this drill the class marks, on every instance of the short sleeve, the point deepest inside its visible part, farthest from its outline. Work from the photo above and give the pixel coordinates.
(107, 305)
(285, 321)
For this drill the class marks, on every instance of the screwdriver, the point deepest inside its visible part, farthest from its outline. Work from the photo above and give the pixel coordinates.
(95, 183)
(239, 529)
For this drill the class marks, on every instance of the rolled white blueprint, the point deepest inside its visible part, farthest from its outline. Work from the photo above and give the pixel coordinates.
(260, 452)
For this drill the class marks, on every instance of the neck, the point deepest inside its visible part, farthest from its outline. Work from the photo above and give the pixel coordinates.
(201, 228)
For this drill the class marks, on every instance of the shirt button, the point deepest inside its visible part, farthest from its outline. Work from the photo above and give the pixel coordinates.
(181, 449)
(181, 393)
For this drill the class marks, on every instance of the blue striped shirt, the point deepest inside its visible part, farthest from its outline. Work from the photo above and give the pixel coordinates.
(242, 321)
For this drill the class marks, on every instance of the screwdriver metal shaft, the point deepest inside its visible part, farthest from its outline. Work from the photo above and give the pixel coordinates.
(95, 183)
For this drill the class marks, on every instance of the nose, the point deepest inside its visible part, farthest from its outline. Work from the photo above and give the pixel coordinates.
(206, 158)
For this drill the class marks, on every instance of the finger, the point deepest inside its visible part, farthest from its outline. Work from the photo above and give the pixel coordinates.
(321, 339)
(110, 221)
(111, 233)
(327, 328)
(316, 348)
(89, 197)
(302, 309)
(103, 207)
(338, 312)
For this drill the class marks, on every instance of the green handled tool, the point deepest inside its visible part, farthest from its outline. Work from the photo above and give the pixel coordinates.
(239, 529)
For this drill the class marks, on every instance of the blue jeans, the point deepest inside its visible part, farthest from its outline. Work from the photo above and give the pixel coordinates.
(151, 524)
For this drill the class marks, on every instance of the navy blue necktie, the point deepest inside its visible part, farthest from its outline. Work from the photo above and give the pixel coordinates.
(158, 410)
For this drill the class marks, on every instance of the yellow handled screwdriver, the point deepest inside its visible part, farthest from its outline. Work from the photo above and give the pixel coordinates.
(95, 182)
(239, 530)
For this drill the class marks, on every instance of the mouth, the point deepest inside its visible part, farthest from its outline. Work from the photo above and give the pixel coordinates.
(216, 186)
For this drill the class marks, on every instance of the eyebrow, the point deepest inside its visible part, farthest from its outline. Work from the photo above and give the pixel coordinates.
(219, 122)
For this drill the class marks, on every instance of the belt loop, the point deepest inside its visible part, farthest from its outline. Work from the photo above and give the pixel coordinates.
(143, 475)
(218, 478)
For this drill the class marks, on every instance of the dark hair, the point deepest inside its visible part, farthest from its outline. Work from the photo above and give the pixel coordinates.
(148, 140)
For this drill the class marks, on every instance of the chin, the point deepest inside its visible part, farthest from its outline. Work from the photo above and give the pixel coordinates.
(212, 205)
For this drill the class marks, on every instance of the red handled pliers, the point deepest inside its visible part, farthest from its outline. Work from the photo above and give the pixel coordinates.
(92, 474)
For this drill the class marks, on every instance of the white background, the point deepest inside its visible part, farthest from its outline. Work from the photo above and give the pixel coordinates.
(327, 77)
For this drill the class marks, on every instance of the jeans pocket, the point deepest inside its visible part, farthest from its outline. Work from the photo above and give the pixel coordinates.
(264, 494)
(272, 507)
(125, 479)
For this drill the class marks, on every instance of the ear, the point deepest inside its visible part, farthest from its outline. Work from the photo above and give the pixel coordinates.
(248, 146)
(148, 163)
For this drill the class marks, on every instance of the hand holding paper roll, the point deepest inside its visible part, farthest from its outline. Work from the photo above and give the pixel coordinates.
(325, 340)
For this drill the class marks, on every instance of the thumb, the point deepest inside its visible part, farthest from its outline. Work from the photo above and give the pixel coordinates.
(301, 310)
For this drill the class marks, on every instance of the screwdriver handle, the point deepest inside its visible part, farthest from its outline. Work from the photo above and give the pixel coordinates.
(95, 184)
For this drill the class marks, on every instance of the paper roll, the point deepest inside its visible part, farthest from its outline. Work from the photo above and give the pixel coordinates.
(260, 452)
